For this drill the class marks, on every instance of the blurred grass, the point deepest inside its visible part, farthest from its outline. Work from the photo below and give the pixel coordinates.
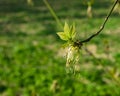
(31, 59)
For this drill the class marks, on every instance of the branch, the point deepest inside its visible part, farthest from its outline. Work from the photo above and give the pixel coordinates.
(53, 13)
(102, 27)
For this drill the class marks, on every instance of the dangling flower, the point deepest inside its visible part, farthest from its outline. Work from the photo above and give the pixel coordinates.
(72, 56)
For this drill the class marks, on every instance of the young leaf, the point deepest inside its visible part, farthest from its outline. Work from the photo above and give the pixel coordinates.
(68, 34)
(63, 36)
(66, 29)
(72, 31)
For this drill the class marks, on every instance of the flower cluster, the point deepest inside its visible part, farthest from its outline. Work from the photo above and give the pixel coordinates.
(69, 35)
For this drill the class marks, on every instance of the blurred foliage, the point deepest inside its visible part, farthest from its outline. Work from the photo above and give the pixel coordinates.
(31, 58)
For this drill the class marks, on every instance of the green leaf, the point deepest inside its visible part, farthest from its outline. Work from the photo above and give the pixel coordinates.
(69, 33)
(72, 31)
(66, 28)
(63, 36)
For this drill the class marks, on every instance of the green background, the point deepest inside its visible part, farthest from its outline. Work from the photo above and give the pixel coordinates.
(31, 55)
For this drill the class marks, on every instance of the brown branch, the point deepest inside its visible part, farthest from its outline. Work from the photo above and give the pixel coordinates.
(102, 27)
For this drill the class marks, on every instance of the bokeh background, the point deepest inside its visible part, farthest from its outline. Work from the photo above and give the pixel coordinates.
(32, 61)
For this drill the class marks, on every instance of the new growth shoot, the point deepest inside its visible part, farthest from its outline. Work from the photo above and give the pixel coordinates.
(69, 35)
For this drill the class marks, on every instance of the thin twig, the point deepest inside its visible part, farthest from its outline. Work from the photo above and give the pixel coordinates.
(102, 27)
(53, 13)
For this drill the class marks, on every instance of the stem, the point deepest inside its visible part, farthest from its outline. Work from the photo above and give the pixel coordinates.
(102, 27)
(53, 13)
